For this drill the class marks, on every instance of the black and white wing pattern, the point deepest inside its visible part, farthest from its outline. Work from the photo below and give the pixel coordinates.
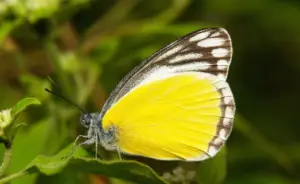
(208, 51)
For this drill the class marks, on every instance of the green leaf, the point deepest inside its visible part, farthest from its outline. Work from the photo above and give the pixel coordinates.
(127, 170)
(28, 143)
(64, 177)
(23, 104)
(213, 171)
(8, 127)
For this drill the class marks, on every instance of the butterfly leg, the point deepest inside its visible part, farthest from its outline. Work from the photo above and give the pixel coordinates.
(119, 153)
(77, 138)
(71, 152)
(89, 136)
(96, 142)
(87, 142)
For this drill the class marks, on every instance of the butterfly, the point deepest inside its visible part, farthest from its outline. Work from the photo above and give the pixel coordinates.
(176, 105)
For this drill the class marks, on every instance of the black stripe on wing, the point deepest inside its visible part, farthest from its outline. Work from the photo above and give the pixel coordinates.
(207, 50)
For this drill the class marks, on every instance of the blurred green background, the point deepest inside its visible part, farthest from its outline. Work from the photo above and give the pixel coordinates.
(87, 46)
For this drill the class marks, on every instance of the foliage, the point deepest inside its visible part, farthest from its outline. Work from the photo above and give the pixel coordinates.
(129, 170)
(8, 125)
(9, 128)
(87, 46)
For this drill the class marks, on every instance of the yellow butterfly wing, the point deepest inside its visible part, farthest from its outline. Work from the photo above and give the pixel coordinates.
(181, 117)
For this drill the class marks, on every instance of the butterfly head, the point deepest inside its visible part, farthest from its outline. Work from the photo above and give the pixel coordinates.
(89, 119)
(86, 120)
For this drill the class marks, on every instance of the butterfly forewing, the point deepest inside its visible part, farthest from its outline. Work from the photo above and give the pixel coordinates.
(208, 51)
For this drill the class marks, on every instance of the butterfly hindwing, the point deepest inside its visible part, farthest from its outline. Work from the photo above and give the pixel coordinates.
(182, 117)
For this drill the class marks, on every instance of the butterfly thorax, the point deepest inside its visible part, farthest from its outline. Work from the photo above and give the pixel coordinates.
(96, 133)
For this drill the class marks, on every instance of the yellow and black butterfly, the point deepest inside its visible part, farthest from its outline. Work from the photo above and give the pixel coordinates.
(176, 105)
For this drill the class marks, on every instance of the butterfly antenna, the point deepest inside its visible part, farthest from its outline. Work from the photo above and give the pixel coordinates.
(67, 100)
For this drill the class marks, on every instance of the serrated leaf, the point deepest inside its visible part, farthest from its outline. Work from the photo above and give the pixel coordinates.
(23, 104)
(127, 170)
(213, 171)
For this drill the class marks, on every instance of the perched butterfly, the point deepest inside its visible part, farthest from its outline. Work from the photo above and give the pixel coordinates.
(176, 105)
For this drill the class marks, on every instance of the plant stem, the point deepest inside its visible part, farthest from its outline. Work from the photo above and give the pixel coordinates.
(12, 176)
(6, 158)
